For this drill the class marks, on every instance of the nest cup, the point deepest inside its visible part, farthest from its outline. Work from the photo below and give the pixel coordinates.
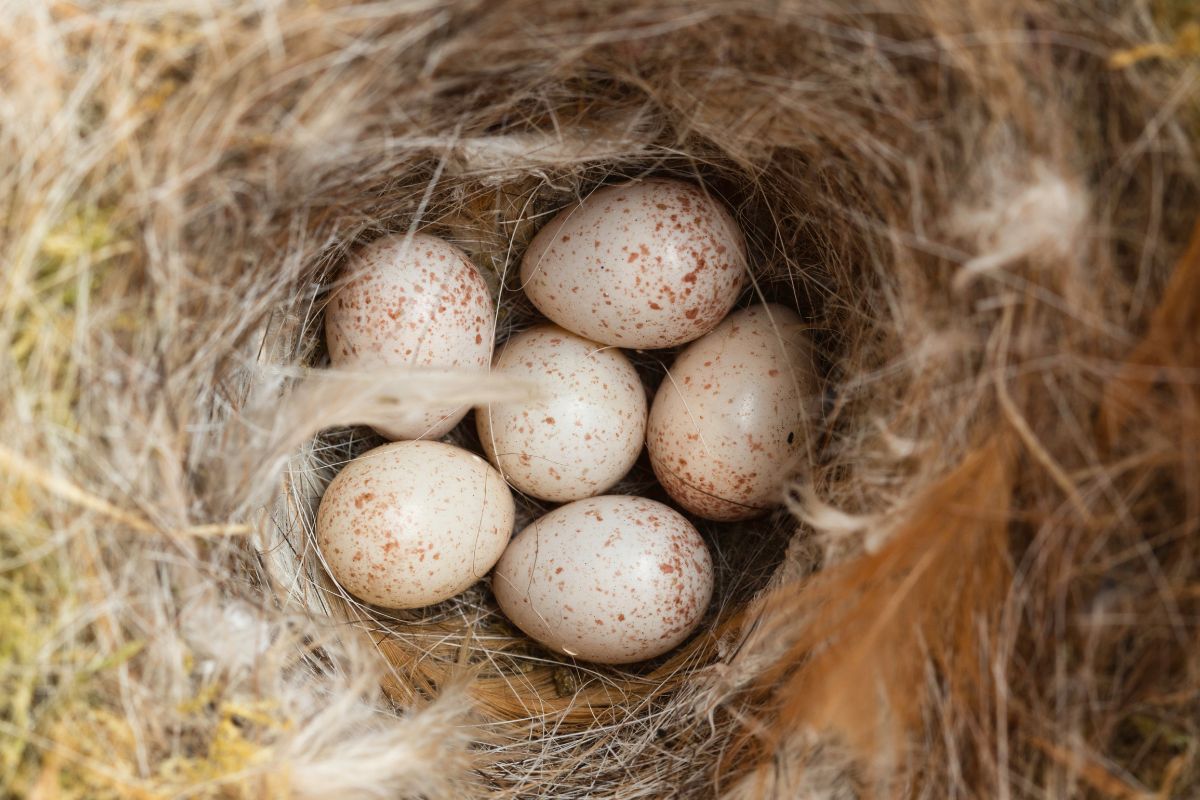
(516, 683)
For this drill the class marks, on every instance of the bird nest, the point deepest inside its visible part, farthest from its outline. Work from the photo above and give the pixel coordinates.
(983, 583)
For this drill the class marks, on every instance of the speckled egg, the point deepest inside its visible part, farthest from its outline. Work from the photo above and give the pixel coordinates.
(611, 579)
(412, 303)
(413, 523)
(728, 423)
(649, 264)
(585, 433)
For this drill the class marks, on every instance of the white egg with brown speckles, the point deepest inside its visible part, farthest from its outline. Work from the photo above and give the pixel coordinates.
(416, 302)
(612, 579)
(584, 433)
(649, 264)
(409, 524)
(729, 420)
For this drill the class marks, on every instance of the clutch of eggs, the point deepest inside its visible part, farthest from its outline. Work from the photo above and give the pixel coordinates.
(611, 579)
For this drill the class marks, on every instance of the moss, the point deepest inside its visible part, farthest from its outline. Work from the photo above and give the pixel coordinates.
(235, 748)
(62, 732)
(36, 598)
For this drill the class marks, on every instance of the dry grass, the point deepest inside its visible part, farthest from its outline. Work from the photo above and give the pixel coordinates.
(986, 584)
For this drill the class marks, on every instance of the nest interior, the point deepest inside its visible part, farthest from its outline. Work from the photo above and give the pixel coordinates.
(984, 582)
